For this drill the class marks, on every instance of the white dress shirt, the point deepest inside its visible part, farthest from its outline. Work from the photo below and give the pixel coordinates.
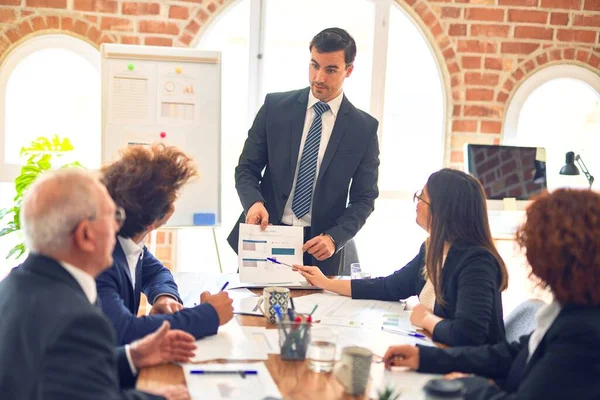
(544, 317)
(133, 252)
(88, 285)
(328, 121)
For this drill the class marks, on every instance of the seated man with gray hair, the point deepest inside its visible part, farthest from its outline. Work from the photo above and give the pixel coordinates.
(55, 343)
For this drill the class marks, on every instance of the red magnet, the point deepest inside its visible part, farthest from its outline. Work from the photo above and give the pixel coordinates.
(163, 135)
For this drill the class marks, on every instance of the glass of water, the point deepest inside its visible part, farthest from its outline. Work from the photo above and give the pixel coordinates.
(321, 350)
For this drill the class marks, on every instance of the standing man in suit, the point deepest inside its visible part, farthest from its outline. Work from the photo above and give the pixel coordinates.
(145, 181)
(55, 343)
(315, 148)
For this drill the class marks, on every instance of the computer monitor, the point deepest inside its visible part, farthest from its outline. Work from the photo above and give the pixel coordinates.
(507, 171)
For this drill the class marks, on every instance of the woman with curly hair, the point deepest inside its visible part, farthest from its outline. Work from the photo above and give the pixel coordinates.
(458, 273)
(561, 358)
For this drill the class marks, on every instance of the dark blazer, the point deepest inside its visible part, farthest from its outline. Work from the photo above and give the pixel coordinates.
(565, 365)
(350, 166)
(121, 302)
(54, 344)
(471, 277)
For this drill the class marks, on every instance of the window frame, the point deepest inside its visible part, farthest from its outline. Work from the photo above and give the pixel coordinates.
(378, 82)
(530, 84)
(8, 172)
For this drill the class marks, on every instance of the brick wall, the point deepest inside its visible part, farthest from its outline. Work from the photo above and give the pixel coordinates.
(486, 48)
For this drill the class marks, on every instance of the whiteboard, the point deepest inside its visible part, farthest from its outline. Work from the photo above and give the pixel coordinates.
(170, 95)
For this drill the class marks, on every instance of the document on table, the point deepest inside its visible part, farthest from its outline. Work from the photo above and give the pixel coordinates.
(230, 343)
(259, 385)
(283, 243)
(267, 339)
(334, 309)
(247, 306)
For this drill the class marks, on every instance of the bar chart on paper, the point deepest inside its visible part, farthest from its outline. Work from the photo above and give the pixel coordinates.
(262, 254)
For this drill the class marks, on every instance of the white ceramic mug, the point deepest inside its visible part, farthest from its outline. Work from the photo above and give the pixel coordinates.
(272, 296)
(354, 369)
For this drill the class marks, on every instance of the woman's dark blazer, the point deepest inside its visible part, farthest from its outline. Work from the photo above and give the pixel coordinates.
(472, 309)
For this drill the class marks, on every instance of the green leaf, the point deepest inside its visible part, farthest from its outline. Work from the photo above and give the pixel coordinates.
(6, 231)
(20, 248)
(6, 211)
(40, 155)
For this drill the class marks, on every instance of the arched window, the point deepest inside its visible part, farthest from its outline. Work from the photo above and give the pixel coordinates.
(48, 85)
(558, 108)
(405, 94)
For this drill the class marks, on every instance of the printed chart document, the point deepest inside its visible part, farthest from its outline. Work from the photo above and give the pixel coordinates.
(257, 385)
(387, 318)
(230, 343)
(334, 309)
(283, 243)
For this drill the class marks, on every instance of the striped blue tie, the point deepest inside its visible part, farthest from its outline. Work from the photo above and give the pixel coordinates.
(308, 164)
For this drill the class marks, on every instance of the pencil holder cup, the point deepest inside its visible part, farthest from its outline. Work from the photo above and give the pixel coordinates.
(294, 339)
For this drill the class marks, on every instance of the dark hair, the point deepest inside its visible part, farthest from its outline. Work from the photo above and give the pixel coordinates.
(457, 213)
(561, 238)
(335, 39)
(145, 182)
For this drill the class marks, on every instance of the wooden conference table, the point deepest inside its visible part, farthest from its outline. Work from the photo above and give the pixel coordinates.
(293, 378)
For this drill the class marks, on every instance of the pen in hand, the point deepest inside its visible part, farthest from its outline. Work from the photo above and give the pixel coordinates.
(273, 260)
(224, 286)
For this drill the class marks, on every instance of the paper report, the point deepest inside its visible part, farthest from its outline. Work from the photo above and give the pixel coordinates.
(282, 243)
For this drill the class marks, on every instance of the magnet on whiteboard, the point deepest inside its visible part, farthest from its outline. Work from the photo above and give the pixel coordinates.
(130, 67)
(178, 70)
(163, 135)
(204, 218)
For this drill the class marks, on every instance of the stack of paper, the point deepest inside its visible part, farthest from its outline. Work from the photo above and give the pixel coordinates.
(228, 384)
(230, 343)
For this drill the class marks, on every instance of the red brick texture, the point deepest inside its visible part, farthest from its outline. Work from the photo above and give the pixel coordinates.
(485, 48)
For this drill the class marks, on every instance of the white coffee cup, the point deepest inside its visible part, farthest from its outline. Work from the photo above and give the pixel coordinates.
(272, 296)
(354, 369)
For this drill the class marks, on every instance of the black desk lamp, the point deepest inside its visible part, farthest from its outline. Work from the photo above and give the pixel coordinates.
(571, 169)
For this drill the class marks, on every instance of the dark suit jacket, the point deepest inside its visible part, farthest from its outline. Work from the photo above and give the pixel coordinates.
(470, 288)
(350, 165)
(54, 344)
(565, 365)
(121, 302)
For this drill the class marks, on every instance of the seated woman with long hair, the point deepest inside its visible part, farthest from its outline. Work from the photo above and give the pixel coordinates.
(458, 273)
(561, 358)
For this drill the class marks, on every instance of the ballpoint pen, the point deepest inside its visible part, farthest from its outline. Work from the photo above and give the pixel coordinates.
(279, 262)
(224, 286)
(241, 373)
(403, 332)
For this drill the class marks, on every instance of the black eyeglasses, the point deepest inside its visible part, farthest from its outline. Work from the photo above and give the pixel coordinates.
(418, 196)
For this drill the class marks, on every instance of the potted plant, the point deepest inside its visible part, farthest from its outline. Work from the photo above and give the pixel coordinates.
(388, 393)
(42, 154)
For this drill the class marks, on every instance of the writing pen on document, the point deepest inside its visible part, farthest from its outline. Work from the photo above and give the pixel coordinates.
(279, 262)
(403, 332)
(223, 288)
(242, 373)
